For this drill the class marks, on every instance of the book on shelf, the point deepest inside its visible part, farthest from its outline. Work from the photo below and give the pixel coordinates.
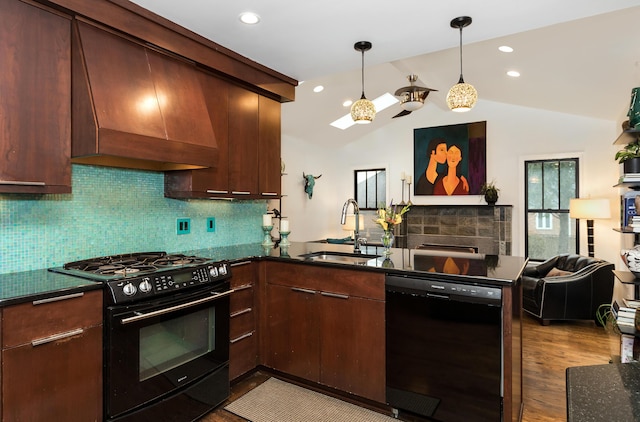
(629, 348)
(631, 303)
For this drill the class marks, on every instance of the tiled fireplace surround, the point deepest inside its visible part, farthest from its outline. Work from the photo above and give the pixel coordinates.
(486, 227)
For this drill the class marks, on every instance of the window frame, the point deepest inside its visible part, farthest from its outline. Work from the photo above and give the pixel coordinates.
(362, 202)
(576, 158)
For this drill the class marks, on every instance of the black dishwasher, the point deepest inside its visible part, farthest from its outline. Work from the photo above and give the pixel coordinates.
(444, 349)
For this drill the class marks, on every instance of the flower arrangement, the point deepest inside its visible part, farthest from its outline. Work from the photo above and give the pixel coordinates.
(389, 216)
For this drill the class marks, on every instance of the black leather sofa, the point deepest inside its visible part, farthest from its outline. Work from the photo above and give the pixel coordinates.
(567, 287)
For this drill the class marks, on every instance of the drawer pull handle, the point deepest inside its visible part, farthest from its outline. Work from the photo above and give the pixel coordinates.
(217, 191)
(242, 337)
(20, 183)
(237, 264)
(336, 295)
(243, 311)
(269, 194)
(298, 289)
(56, 337)
(243, 287)
(57, 298)
(236, 192)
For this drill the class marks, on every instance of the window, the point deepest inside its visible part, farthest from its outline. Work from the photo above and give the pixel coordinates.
(549, 185)
(544, 221)
(370, 188)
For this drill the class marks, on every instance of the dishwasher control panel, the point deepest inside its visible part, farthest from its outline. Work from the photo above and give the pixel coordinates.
(444, 289)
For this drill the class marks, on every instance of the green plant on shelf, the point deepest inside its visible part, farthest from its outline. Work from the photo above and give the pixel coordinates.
(631, 150)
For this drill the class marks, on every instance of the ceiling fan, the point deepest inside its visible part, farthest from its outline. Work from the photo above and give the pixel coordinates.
(412, 96)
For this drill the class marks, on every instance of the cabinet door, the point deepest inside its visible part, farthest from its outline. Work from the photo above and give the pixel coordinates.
(352, 348)
(292, 343)
(269, 148)
(35, 100)
(243, 141)
(56, 381)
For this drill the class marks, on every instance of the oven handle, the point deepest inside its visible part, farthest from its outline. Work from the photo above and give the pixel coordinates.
(170, 309)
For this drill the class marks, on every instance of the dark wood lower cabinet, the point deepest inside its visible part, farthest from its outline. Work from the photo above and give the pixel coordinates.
(57, 381)
(52, 359)
(327, 326)
(243, 347)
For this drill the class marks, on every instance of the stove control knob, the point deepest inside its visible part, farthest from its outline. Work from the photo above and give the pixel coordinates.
(213, 271)
(129, 289)
(145, 286)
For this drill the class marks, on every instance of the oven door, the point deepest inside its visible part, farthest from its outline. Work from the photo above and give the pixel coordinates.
(155, 348)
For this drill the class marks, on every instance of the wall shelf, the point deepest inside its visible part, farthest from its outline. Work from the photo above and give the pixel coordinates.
(627, 136)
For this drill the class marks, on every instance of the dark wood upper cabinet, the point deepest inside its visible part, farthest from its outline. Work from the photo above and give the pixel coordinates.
(243, 141)
(35, 99)
(269, 147)
(248, 130)
(135, 107)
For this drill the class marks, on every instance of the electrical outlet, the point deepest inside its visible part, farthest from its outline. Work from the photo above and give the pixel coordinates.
(183, 226)
(211, 224)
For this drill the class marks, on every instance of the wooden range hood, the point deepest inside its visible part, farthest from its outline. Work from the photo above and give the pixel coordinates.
(136, 107)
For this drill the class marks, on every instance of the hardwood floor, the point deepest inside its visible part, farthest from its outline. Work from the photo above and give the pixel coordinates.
(547, 352)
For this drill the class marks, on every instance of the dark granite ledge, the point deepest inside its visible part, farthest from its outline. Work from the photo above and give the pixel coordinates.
(493, 269)
(40, 284)
(606, 393)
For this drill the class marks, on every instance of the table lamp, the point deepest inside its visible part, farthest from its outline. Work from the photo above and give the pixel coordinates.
(589, 209)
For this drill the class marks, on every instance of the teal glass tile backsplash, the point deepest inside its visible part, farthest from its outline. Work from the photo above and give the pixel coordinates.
(113, 211)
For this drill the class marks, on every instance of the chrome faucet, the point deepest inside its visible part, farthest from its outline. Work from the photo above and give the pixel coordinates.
(356, 231)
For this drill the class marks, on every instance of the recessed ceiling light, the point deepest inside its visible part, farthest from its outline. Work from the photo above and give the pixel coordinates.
(249, 18)
(505, 49)
(386, 100)
(513, 73)
(347, 103)
(319, 88)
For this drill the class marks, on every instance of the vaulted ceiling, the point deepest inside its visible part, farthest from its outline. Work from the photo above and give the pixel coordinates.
(575, 56)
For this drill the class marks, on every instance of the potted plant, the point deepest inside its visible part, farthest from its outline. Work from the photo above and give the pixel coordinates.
(629, 156)
(490, 192)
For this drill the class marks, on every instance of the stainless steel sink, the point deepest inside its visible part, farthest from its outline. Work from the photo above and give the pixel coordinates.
(339, 257)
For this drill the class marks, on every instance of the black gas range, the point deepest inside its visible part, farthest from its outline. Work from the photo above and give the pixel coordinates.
(166, 334)
(144, 275)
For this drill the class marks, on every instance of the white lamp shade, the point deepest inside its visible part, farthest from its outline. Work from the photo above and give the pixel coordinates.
(589, 208)
(412, 105)
(350, 223)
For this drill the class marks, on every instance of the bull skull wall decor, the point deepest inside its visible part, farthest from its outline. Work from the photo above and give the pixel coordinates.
(309, 183)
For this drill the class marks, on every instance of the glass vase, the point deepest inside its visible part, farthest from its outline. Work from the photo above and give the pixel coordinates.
(387, 241)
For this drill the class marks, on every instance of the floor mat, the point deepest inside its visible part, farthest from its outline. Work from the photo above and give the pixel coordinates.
(278, 401)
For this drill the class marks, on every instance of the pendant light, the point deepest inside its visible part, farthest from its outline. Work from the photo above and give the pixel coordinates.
(363, 111)
(462, 96)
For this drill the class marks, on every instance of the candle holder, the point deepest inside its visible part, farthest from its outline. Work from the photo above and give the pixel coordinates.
(284, 238)
(409, 191)
(267, 241)
(403, 179)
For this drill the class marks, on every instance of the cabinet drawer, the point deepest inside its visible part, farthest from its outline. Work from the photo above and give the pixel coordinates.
(56, 381)
(242, 298)
(243, 354)
(363, 284)
(31, 321)
(242, 322)
(243, 273)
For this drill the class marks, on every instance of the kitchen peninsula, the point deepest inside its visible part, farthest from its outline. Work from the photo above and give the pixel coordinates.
(335, 308)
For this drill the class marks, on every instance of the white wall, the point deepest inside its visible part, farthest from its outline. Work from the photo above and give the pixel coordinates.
(514, 134)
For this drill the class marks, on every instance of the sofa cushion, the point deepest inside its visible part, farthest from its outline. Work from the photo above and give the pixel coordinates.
(556, 272)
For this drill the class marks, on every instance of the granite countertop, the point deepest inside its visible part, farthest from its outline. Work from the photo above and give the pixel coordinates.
(609, 392)
(32, 285)
(493, 269)
(39, 284)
